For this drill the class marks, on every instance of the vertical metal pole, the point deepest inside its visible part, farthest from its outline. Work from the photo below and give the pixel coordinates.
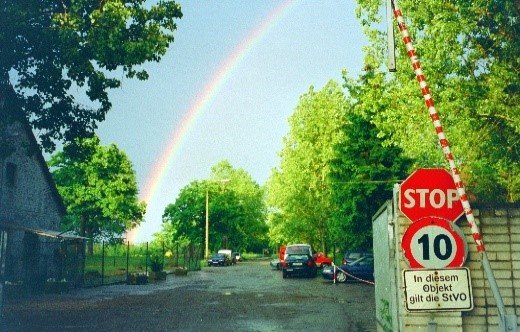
(146, 262)
(177, 255)
(206, 251)
(334, 273)
(102, 262)
(390, 37)
(163, 253)
(432, 326)
(127, 258)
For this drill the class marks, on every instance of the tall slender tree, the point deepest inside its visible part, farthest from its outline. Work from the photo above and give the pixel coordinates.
(299, 191)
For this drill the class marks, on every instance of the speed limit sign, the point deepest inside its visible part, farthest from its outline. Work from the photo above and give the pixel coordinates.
(434, 243)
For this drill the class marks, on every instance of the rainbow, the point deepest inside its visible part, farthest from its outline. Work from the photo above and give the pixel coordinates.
(201, 102)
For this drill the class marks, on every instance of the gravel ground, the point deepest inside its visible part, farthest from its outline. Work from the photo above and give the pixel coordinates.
(247, 297)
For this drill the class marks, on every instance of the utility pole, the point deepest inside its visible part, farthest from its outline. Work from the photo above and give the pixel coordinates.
(206, 251)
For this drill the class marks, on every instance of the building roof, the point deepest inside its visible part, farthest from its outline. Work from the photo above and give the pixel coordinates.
(35, 150)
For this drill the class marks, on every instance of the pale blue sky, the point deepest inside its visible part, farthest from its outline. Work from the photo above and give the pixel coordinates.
(246, 121)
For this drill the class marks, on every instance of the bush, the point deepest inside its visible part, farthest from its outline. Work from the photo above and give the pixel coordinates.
(156, 264)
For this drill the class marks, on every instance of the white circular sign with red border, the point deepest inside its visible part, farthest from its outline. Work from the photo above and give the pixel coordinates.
(434, 243)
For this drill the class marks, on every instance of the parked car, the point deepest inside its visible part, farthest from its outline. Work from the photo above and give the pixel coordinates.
(275, 263)
(351, 256)
(228, 254)
(362, 268)
(322, 260)
(298, 260)
(219, 259)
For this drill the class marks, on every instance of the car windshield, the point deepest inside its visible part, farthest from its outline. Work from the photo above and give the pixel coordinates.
(218, 256)
(353, 256)
(297, 250)
(298, 256)
(367, 260)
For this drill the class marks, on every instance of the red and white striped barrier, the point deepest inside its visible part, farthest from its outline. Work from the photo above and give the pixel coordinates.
(416, 65)
(349, 275)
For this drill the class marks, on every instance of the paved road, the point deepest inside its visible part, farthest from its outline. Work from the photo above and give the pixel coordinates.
(247, 297)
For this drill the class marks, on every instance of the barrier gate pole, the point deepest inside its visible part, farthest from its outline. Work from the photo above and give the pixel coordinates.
(506, 322)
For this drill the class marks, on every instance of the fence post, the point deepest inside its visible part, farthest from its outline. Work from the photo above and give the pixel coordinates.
(177, 255)
(127, 258)
(185, 254)
(146, 261)
(102, 262)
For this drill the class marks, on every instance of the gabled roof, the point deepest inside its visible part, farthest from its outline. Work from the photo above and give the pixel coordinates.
(36, 151)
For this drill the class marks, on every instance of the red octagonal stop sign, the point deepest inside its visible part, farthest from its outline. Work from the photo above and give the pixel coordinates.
(430, 192)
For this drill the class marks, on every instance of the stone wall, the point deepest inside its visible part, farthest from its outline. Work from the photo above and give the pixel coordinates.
(27, 200)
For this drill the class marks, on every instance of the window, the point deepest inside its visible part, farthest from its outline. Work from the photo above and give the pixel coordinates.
(10, 174)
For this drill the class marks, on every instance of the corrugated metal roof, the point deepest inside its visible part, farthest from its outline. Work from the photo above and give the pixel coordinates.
(42, 232)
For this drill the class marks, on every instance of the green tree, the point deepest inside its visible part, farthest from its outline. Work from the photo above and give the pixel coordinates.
(56, 55)
(247, 223)
(469, 54)
(362, 179)
(185, 218)
(99, 189)
(299, 191)
(236, 211)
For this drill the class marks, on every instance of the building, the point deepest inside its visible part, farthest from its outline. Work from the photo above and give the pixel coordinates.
(33, 250)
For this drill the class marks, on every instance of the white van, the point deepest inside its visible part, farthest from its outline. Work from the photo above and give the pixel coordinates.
(228, 252)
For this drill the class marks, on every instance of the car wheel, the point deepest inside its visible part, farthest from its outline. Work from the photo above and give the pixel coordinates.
(341, 277)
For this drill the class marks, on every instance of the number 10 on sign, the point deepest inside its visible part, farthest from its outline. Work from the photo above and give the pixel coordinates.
(434, 243)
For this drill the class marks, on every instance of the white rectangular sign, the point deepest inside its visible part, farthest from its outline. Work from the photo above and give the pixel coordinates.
(438, 290)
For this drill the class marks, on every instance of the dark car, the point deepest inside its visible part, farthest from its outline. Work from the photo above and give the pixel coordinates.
(362, 268)
(219, 260)
(298, 260)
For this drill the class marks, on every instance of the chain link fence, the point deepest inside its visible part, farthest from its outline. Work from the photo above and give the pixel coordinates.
(31, 264)
(117, 263)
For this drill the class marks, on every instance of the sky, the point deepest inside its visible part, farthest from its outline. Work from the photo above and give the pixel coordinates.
(225, 90)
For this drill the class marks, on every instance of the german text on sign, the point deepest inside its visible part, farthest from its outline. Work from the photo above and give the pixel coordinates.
(438, 290)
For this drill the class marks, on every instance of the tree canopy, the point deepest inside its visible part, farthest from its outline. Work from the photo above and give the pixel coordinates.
(469, 54)
(99, 189)
(334, 174)
(59, 58)
(299, 190)
(236, 211)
